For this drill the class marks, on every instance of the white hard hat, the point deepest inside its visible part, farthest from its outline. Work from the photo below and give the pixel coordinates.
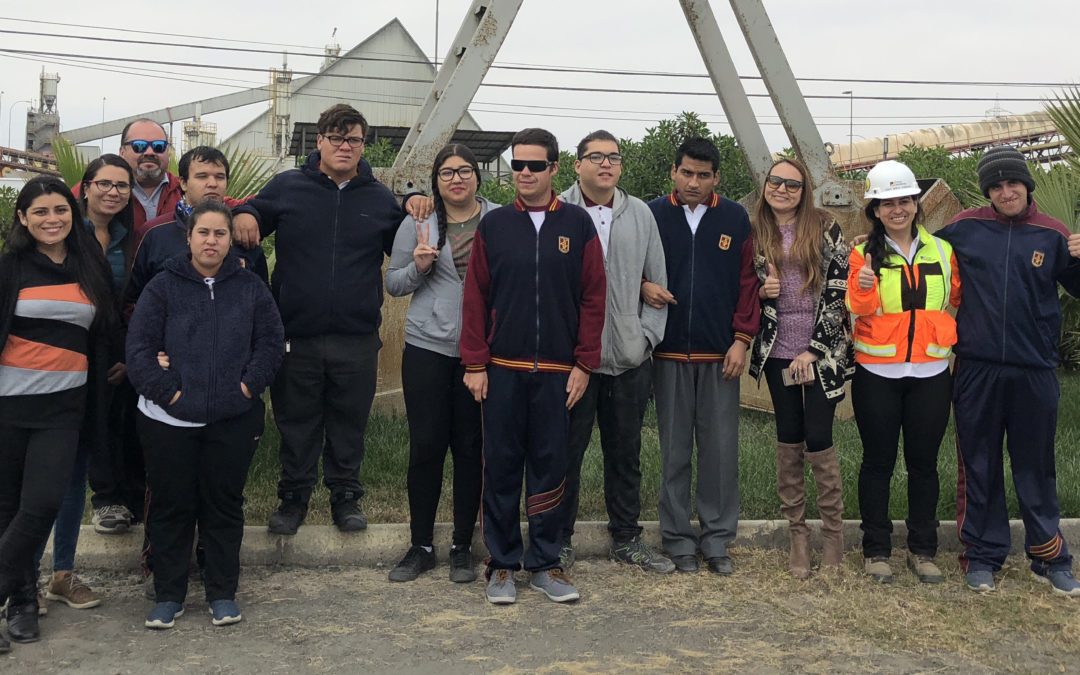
(890, 179)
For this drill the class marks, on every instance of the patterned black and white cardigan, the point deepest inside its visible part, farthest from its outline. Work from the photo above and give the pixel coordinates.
(831, 339)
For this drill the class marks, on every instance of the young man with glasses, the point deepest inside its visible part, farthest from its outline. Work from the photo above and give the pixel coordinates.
(619, 389)
(334, 223)
(532, 316)
(713, 314)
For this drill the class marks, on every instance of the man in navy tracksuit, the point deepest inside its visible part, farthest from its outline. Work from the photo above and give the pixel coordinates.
(714, 313)
(1009, 323)
(532, 316)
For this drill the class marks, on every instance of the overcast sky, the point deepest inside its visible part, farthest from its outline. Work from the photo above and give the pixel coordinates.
(962, 40)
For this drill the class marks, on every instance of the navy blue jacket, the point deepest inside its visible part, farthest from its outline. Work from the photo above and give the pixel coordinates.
(534, 301)
(215, 336)
(711, 274)
(330, 246)
(167, 238)
(1009, 310)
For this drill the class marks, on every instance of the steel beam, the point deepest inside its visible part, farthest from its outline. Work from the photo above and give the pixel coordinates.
(728, 86)
(478, 40)
(174, 114)
(786, 96)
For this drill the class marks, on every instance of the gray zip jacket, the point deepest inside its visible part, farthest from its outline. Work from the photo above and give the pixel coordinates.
(434, 318)
(631, 327)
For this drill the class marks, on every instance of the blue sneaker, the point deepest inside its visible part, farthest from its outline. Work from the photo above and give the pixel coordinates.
(500, 588)
(1062, 582)
(981, 581)
(225, 612)
(164, 615)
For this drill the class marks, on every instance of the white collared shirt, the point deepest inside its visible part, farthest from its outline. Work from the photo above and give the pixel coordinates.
(693, 217)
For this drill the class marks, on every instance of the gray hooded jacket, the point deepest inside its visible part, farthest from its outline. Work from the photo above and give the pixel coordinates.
(631, 327)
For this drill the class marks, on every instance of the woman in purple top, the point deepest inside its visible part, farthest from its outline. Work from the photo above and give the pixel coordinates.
(803, 349)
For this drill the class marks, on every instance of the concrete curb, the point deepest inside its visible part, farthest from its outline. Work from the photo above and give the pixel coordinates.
(316, 545)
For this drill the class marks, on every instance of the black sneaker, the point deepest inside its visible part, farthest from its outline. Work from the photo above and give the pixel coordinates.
(288, 518)
(416, 562)
(461, 565)
(348, 516)
(637, 552)
(22, 620)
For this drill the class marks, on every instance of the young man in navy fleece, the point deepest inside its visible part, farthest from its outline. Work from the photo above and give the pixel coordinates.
(713, 315)
(532, 316)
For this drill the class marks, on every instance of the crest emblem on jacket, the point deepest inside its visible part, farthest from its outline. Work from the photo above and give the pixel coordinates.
(725, 242)
(564, 244)
(1037, 259)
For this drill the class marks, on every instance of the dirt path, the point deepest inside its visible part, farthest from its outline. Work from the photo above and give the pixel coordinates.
(353, 620)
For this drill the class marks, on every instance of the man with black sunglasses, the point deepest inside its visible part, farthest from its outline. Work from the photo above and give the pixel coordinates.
(334, 223)
(619, 388)
(712, 316)
(532, 315)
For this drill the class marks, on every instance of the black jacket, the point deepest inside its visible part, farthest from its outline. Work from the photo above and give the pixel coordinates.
(215, 336)
(330, 246)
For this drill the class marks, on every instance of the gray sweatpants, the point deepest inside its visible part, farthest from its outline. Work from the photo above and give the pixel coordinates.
(693, 402)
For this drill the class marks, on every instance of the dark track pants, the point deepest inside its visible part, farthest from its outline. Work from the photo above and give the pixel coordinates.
(525, 427)
(197, 476)
(322, 397)
(617, 404)
(993, 403)
(441, 413)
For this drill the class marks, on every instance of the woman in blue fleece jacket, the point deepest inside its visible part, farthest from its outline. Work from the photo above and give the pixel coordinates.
(204, 341)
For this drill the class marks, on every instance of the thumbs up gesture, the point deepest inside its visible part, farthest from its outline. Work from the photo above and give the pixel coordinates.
(771, 288)
(866, 275)
(1074, 245)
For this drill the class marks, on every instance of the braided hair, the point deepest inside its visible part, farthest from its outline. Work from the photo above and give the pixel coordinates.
(451, 150)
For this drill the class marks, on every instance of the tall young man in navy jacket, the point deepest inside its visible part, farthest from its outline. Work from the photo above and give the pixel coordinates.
(334, 224)
(532, 316)
(1012, 259)
(713, 314)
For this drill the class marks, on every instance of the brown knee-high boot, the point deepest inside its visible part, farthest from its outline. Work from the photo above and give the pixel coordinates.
(826, 467)
(791, 486)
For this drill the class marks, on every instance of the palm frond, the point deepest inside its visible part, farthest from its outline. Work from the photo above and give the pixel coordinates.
(69, 161)
(248, 172)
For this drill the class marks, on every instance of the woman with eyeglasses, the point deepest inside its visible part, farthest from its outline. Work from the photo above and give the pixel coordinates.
(901, 283)
(429, 260)
(56, 311)
(804, 351)
(106, 208)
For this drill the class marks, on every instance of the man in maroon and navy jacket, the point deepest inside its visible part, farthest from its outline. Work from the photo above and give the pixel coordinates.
(532, 316)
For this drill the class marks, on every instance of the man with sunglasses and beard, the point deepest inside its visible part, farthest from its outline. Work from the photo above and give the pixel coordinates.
(145, 146)
(532, 315)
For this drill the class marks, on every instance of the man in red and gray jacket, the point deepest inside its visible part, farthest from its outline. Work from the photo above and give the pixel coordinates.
(532, 316)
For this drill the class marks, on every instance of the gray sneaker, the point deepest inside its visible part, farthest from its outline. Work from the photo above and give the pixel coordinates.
(637, 552)
(566, 556)
(555, 585)
(112, 519)
(500, 588)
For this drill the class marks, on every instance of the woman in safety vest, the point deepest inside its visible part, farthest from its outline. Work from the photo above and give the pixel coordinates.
(901, 282)
(803, 349)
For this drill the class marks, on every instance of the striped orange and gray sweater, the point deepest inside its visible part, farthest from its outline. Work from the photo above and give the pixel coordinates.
(44, 360)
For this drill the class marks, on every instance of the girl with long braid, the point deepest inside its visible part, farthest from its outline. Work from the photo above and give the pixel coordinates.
(430, 262)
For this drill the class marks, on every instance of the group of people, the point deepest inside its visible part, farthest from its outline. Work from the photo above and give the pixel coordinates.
(134, 350)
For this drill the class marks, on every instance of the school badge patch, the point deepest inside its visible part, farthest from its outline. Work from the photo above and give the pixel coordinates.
(1037, 258)
(564, 244)
(725, 242)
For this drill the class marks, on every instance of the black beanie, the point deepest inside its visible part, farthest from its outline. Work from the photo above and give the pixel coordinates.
(1003, 162)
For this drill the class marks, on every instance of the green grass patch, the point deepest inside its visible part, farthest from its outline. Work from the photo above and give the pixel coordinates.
(384, 470)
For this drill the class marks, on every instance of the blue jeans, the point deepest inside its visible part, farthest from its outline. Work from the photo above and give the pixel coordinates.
(69, 518)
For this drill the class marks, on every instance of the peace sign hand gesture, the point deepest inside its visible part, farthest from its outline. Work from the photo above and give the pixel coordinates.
(424, 254)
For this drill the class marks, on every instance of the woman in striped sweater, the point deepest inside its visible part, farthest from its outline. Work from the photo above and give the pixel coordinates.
(54, 300)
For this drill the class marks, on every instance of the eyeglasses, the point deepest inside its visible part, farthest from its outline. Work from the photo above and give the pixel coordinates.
(336, 141)
(105, 185)
(598, 158)
(533, 165)
(140, 146)
(790, 183)
(464, 173)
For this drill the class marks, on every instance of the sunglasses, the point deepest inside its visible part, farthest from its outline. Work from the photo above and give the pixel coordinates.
(141, 146)
(533, 165)
(790, 183)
